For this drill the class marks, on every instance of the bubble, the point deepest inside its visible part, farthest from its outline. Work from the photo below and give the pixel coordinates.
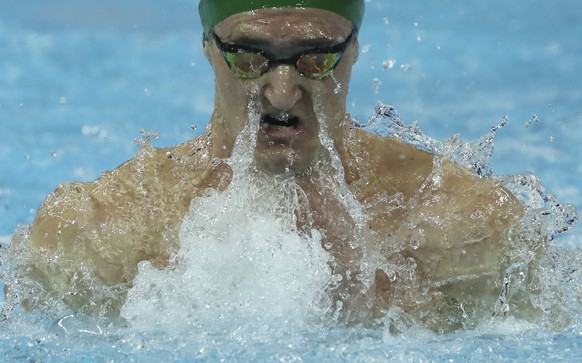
(94, 130)
(535, 118)
(388, 64)
(377, 83)
(5, 192)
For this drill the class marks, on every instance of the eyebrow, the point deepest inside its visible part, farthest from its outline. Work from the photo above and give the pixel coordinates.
(252, 43)
(308, 42)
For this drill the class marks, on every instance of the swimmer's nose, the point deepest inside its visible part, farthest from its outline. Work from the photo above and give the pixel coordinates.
(282, 88)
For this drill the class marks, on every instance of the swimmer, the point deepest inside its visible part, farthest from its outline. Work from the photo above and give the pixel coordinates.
(445, 225)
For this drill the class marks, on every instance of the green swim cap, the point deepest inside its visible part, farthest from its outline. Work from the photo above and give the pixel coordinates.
(213, 12)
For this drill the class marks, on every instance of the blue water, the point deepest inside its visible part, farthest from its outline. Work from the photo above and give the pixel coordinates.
(79, 80)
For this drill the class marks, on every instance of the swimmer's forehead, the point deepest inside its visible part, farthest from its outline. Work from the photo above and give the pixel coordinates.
(284, 26)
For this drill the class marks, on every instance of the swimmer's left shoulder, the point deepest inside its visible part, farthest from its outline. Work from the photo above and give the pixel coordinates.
(386, 160)
(387, 149)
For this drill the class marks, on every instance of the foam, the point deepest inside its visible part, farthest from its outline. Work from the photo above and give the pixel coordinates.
(5, 240)
(241, 255)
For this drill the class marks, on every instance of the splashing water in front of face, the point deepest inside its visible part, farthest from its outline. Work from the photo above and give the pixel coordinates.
(242, 257)
(336, 184)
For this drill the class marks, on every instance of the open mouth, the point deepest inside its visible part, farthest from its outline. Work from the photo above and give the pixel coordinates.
(281, 122)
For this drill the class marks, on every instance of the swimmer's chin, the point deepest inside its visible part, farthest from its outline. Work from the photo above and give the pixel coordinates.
(282, 162)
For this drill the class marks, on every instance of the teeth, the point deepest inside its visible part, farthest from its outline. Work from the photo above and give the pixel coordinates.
(283, 117)
(276, 127)
(279, 122)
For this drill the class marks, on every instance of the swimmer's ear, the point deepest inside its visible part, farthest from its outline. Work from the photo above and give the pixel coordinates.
(206, 46)
(356, 46)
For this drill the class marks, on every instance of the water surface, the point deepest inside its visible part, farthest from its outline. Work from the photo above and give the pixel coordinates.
(78, 81)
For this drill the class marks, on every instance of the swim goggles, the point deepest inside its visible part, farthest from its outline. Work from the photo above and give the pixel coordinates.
(314, 63)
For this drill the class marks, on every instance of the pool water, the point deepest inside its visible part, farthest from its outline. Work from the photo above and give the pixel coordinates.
(80, 81)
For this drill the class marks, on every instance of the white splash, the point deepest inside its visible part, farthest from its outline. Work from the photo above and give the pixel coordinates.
(241, 257)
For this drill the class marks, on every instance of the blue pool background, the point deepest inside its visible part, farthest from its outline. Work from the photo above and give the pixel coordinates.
(79, 79)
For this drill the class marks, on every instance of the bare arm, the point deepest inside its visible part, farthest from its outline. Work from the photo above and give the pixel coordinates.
(93, 235)
(442, 232)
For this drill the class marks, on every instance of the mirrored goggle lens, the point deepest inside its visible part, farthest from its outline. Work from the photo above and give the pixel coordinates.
(247, 64)
(317, 65)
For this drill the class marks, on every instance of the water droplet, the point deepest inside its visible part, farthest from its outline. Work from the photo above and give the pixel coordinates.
(415, 244)
(388, 64)
(377, 83)
(535, 118)
(282, 116)
(348, 274)
(338, 85)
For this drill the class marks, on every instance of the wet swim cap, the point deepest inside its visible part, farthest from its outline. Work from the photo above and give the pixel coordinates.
(213, 12)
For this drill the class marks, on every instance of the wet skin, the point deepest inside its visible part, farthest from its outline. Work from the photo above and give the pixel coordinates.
(459, 223)
(282, 91)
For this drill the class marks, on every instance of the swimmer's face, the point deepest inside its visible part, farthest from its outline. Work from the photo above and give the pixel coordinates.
(294, 107)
